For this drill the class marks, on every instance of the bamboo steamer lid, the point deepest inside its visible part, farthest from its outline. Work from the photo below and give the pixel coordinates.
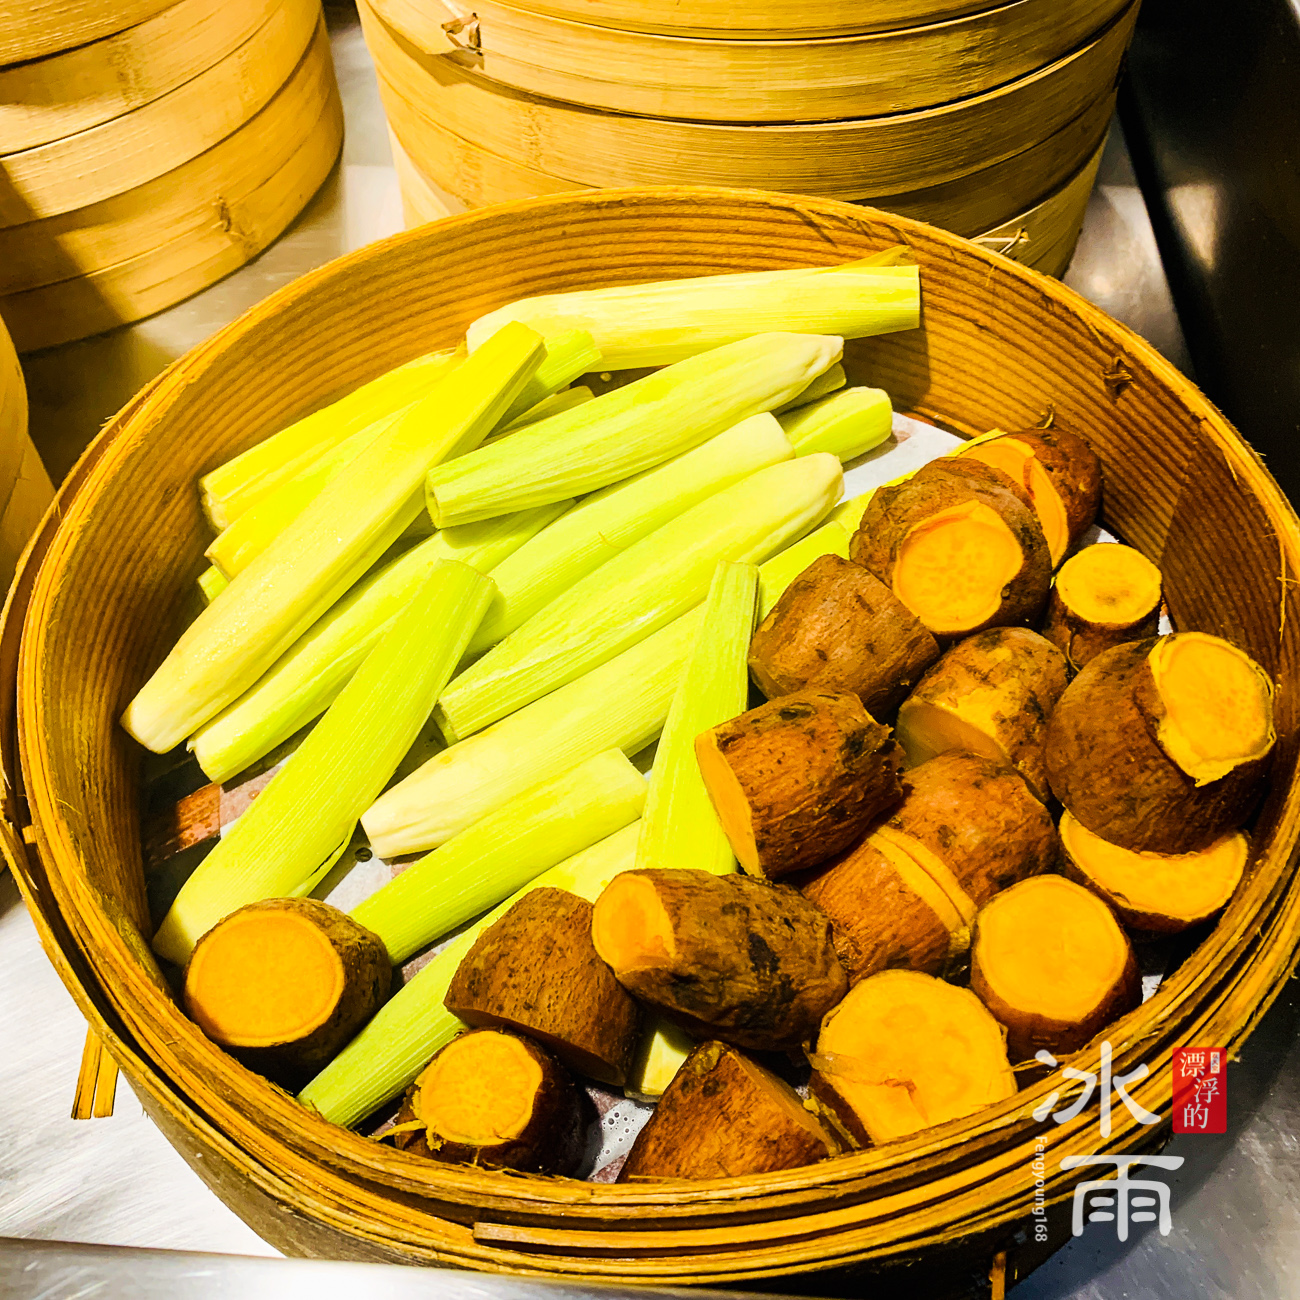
(1000, 345)
(31, 29)
(895, 153)
(440, 172)
(144, 250)
(134, 147)
(61, 94)
(25, 489)
(750, 80)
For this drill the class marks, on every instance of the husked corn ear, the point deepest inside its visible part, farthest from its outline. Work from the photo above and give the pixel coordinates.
(848, 424)
(657, 324)
(327, 548)
(569, 353)
(629, 429)
(827, 382)
(608, 522)
(640, 590)
(556, 404)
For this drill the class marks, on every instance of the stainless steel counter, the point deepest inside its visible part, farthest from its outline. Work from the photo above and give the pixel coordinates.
(1236, 1201)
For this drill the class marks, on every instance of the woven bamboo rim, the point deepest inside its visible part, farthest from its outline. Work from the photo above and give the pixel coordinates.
(25, 488)
(31, 29)
(849, 159)
(750, 81)
(1001, 344)
(64, 93)
(191, 226)
(458, 174)
(755, 19)
(129, 150)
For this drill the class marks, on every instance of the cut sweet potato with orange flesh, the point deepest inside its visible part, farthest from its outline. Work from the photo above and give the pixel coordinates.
(724, 1116)
(797, 780)
(1061, 473)
(990, 694)
(887, 911)
(905, 1051)
(960, 545)
(979, 819)
(536, 971)
(1051, 963)
(837, 627)
(1161, 893)
(495, 1099)
(743, 961)
(285, 983)
(1162, 745)
(1102, 597)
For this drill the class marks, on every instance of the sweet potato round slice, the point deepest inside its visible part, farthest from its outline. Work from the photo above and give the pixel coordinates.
(979, 819)
(724, 1116)
(1162, 893)
(837, 627)
(904, 1052)
(960, 545)
(1061, 474)
(285, 983)
(798, 779)
(1102, 597)
(536, 971)
(1051, 963)
(495, 1099)
(990, 694)
(725, 957)
(1162, 745)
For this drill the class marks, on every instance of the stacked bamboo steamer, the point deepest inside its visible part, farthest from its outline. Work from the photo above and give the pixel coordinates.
(149, 147)
(25, 489)
(985, 119)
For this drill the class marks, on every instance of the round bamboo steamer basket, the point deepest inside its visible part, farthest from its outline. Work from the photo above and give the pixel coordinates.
(845, 159)
(129, 256)
(102, 594)
(46, 99)
(31, 29)
(134, 147)
(751, 81)
(25, 489)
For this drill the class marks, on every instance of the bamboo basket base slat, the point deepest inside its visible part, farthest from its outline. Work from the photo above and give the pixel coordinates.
(750, 81)
(847, 159)
(47, 99)
(133, 148)
(999, 346)
(32, 29)
(224, 210)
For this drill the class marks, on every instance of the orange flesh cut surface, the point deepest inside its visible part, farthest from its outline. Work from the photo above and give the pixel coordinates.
(1050, 947)
(481, 1090)
(1185, 886)
(263, 978)
(1018, 462)
(908, 1051)
(1218, 705)
(926, 730)
(1109, 585)
(952, 568)
(729, 802)
(630, 929)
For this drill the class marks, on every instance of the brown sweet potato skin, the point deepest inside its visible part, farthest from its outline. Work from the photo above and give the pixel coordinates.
(1027, 673)
(949, 481)
(981, 819)
(837, 627)
(878, 921)
(537, 972)
(552, 1142)
(1081, 641)
(755, 962)
(1075, 472)
(815, 769)
(720, 1117)
(368, 977)
(1107, 767)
